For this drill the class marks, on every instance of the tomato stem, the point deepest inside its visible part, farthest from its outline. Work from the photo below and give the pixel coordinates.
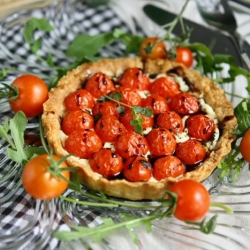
(10, 92)
(222, 206)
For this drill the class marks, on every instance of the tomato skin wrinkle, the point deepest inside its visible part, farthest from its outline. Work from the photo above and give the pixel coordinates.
(39, 182)
(33, 92)
(245, 146)
(193, 200)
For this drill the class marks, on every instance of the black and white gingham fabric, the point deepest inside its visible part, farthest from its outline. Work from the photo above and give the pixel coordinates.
(24, 224)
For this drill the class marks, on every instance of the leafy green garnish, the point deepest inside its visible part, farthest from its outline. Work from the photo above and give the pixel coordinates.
(13, 132)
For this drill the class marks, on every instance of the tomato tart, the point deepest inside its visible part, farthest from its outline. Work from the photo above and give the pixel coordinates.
(169, 123)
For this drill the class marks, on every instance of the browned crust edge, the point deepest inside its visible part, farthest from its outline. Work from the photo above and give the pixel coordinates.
(215, 97)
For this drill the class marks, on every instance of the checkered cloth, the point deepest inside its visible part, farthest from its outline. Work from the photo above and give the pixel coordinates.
(26, 223)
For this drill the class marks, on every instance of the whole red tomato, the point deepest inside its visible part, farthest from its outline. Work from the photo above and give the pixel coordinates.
(193, 200)
(33, 92)
(152, 47)
(184, 55)
(137, 169)
(106, 162)
(245, 146)
(39, 181)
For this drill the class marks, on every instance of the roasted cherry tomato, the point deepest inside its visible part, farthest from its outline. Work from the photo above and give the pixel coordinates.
(77, 120)
(170, 120)
(131, 144)
(127, 117)
(184, 55)
(200, 127)
(105, 108)
(184, 104)
(108, 128)
(245, 146)
(191, 152)
(106, 162)
(164, 87)
(32, 93)
(152, 47)
(161, 142)
(130, 97)
(79, 99)
(193, 200)
(134, 78)
(137, 169)
(168, 166)
(99, 84)
(83, 143)
(39, 181)
(156, 103)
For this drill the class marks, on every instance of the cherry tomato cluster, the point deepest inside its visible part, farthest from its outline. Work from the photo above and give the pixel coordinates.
(154, 48)
(101, 129)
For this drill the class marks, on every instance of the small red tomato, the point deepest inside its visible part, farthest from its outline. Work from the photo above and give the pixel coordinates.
(190, 152)
(245, 146)
(105, 108)
(108, 128)
(134, 78)
(106, 162)
(33, 92)
(83, 143)
(39, 181)
(99, 84)
(193, 200)
(200, 127)
(184, 55)
(168, 166)
(79, 99)
(161, 142)
(170, 120)
(137, 169)
(131, 144)
(130, 97)
(127, 117)
(164, 87)
(77, 120)
(156, 103)
(152, 47)
(184, 104)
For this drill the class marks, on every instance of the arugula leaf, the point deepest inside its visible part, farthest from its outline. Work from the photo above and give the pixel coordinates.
(30, 27)
(3, 73)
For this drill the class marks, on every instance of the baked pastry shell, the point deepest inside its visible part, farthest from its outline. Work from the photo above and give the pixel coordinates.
(54, 110)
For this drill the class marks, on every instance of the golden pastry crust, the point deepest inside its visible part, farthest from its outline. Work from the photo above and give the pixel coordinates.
(54, 111)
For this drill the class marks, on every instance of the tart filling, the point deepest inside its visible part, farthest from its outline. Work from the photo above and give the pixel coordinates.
(211, 103)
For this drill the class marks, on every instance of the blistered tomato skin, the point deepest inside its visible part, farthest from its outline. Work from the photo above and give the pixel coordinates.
(79, 99)
(77, 120)
(200, 127)
(106, 162)
(131, 144)
(170, 120)
(153, 48)
(168, 166)
(134, 78)
(193, 200)
(127, 117)
(137, 169)
(245, 146)
(161, 142)
(105, 108)
(83, 143)
(33, 92)
(191, 152)
(164, 87)
(99, 84)
(130, 97)
(108, 128)
(184, 104)
(156, 103)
